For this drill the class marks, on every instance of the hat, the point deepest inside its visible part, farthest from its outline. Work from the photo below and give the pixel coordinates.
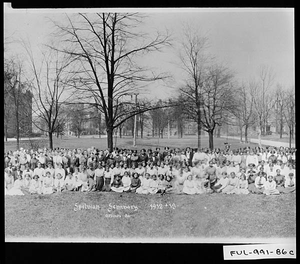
(35, 176)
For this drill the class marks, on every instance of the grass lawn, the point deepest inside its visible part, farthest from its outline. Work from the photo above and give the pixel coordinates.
(207, 216)
(127, 142)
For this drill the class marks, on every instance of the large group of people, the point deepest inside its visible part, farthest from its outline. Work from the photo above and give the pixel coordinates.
(269, 171)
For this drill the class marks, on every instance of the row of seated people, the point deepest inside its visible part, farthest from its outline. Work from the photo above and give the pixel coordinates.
(203, 178)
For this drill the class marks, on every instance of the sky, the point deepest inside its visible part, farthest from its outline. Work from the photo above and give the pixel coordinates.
(242, 39)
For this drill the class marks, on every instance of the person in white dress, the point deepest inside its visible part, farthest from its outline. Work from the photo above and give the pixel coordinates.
(243, 185)
(16, 189)
(270, 186)
(153, 185)
(35, 185)
(144, 188)
(126, 180)
(189, 186)
(47, 185)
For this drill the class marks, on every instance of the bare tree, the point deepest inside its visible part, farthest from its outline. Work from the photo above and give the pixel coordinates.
(78, 118)
(279, 107)
(289, 112)
(245, 109)
(178, 116)
(193, 62)
(159, 119)
(49, 85)
(15, 92)
(105, 47)
(263, 99)
(217, 99)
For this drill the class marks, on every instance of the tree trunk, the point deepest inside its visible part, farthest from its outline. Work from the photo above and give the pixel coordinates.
(50, 135)
(241, 134)
(211, 139)
(219, 132)
(6, 133)
(259, 137)
(110, 140)
(281, 127)
(100, 125)
(290, 139)
(246, 134)
(120, 131)
(181, 131)
(18, 128)
(142, 130)
(162, 133)
(199, 134)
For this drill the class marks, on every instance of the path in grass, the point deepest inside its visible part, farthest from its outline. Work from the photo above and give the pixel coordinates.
(199, 216)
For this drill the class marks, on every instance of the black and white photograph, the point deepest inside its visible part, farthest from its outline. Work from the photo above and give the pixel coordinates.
(150, 125)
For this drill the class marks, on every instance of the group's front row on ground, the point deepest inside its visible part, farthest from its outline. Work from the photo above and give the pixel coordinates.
(150, 180)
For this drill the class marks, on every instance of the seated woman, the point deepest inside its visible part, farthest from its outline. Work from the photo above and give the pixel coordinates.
(161, 183)
(47, 187)
(189, 186)
(59, 182)
(290, 183)
(221, 183)
(99, 175)
(199, 184)
(181, 177)
(153, 186)
(117, 184)
(135, 182)
(126, 181)
(144, 189)
(279, 179)
(77, 180)
(108, 179)
(69, 183)
(232, 185)
(35, 185)
(258, 186)
(83, 177)
(243, 185)
(8, 179)
(16, 189)
(270, 186)
(26, 182)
